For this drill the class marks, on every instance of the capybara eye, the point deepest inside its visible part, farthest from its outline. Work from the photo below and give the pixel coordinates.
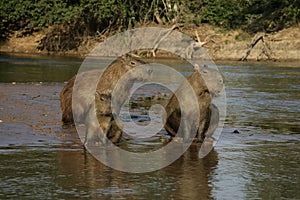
(132, 62)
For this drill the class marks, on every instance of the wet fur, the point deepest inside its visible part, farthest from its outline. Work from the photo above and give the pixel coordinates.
(101, 101)
(174, 110)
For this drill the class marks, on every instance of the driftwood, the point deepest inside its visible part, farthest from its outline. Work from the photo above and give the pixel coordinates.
(190, 50)
(159, 43)
(152, 52)
(206, 40)
(264, 51)
(162, 38)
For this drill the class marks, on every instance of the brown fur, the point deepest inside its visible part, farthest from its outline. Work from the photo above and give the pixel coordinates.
(66, 94)
(66, 102)
(102, 98)
(174, 110)
(213, 79)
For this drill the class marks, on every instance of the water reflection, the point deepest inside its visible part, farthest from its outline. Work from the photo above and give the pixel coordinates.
(187, 178)
(242, 170)
(32, 69)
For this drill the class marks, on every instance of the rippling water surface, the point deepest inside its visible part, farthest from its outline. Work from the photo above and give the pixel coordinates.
(42, 160)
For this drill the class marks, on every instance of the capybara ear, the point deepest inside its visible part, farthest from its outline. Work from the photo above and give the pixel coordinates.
(128, 61)
(196, 68)
(126, 56)
(122, 59)
(125, 59)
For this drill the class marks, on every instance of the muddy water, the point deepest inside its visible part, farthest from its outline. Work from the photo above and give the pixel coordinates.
(42, 160)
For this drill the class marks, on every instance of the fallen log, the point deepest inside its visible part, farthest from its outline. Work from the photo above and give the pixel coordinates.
(254, 41)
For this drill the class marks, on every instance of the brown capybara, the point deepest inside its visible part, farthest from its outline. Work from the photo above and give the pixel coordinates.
(175, 111)
(66, 93)
(213, 79)
(90, 100)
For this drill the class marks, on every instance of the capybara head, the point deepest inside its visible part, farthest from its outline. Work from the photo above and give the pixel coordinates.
(213, 79)
(102, 104)
(118, 69)
(129, 61)
(117, 81)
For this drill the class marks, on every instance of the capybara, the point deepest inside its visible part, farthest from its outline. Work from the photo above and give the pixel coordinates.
(87, 94)
(175, 111)
(213, 79)
(89, 102)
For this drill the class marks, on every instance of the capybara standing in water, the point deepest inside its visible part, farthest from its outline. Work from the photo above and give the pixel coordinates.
(91, 77)
(89, 103)
(175, 111)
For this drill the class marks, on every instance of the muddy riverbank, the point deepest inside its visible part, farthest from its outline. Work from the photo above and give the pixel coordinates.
(283, 45)
(30, 115)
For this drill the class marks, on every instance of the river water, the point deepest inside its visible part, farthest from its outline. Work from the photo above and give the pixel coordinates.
(41, 159)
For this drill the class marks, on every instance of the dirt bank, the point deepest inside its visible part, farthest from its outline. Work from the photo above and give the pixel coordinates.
(221, 45)
(233, 45)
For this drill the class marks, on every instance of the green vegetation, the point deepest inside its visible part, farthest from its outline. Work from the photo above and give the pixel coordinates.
(73, 21)
(252, 15)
